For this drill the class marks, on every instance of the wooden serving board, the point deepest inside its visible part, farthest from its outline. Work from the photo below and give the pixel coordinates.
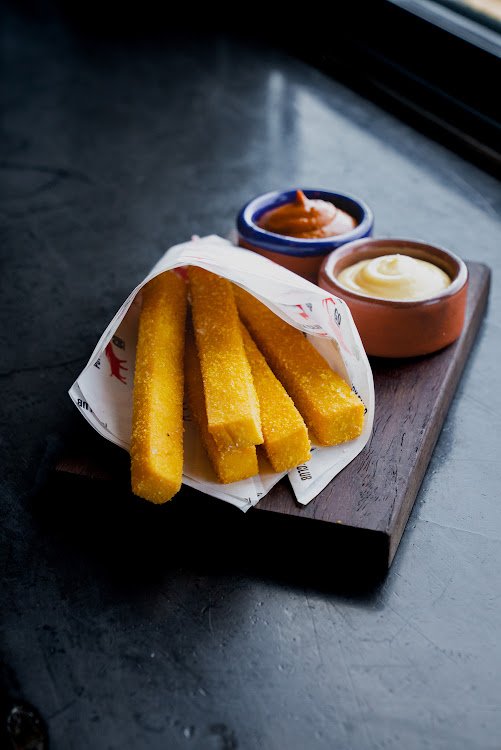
(376, 491)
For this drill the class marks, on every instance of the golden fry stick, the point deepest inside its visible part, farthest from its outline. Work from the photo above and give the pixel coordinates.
(230, 397)
(230, 464)
(285, 435)
(157, 416)
(327, 404)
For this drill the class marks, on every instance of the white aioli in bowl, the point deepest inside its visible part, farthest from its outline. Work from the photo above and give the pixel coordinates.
(396, 276)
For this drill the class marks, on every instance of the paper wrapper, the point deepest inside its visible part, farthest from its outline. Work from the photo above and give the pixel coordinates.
(103, 390)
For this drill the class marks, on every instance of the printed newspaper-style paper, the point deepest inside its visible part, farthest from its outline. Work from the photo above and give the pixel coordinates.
(103, 390)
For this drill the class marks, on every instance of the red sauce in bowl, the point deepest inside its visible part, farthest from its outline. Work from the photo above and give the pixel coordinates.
(307, 218)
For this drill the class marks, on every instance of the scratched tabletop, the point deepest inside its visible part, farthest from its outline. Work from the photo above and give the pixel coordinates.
(193, 625)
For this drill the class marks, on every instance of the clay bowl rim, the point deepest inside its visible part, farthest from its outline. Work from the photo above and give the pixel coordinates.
(294, 246)
(372, 247)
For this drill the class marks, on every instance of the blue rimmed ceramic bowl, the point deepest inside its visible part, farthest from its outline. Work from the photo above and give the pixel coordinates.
(303, 256)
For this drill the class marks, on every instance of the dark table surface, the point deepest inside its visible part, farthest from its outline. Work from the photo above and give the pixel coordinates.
(197, 626)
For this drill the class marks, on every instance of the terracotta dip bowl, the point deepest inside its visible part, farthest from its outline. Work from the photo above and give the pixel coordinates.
(398, 328)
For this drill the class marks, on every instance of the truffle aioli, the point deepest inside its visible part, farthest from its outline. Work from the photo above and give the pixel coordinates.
(398, 277)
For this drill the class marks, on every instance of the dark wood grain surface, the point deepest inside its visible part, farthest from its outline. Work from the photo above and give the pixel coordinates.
(377, 490)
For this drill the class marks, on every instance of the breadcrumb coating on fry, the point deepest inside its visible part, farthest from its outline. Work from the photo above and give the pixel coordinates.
(328, 405)
(229, 464)
(232, 407)
(285, 434)
(157, 416)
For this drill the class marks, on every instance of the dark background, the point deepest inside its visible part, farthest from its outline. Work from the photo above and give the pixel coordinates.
(193, 625)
